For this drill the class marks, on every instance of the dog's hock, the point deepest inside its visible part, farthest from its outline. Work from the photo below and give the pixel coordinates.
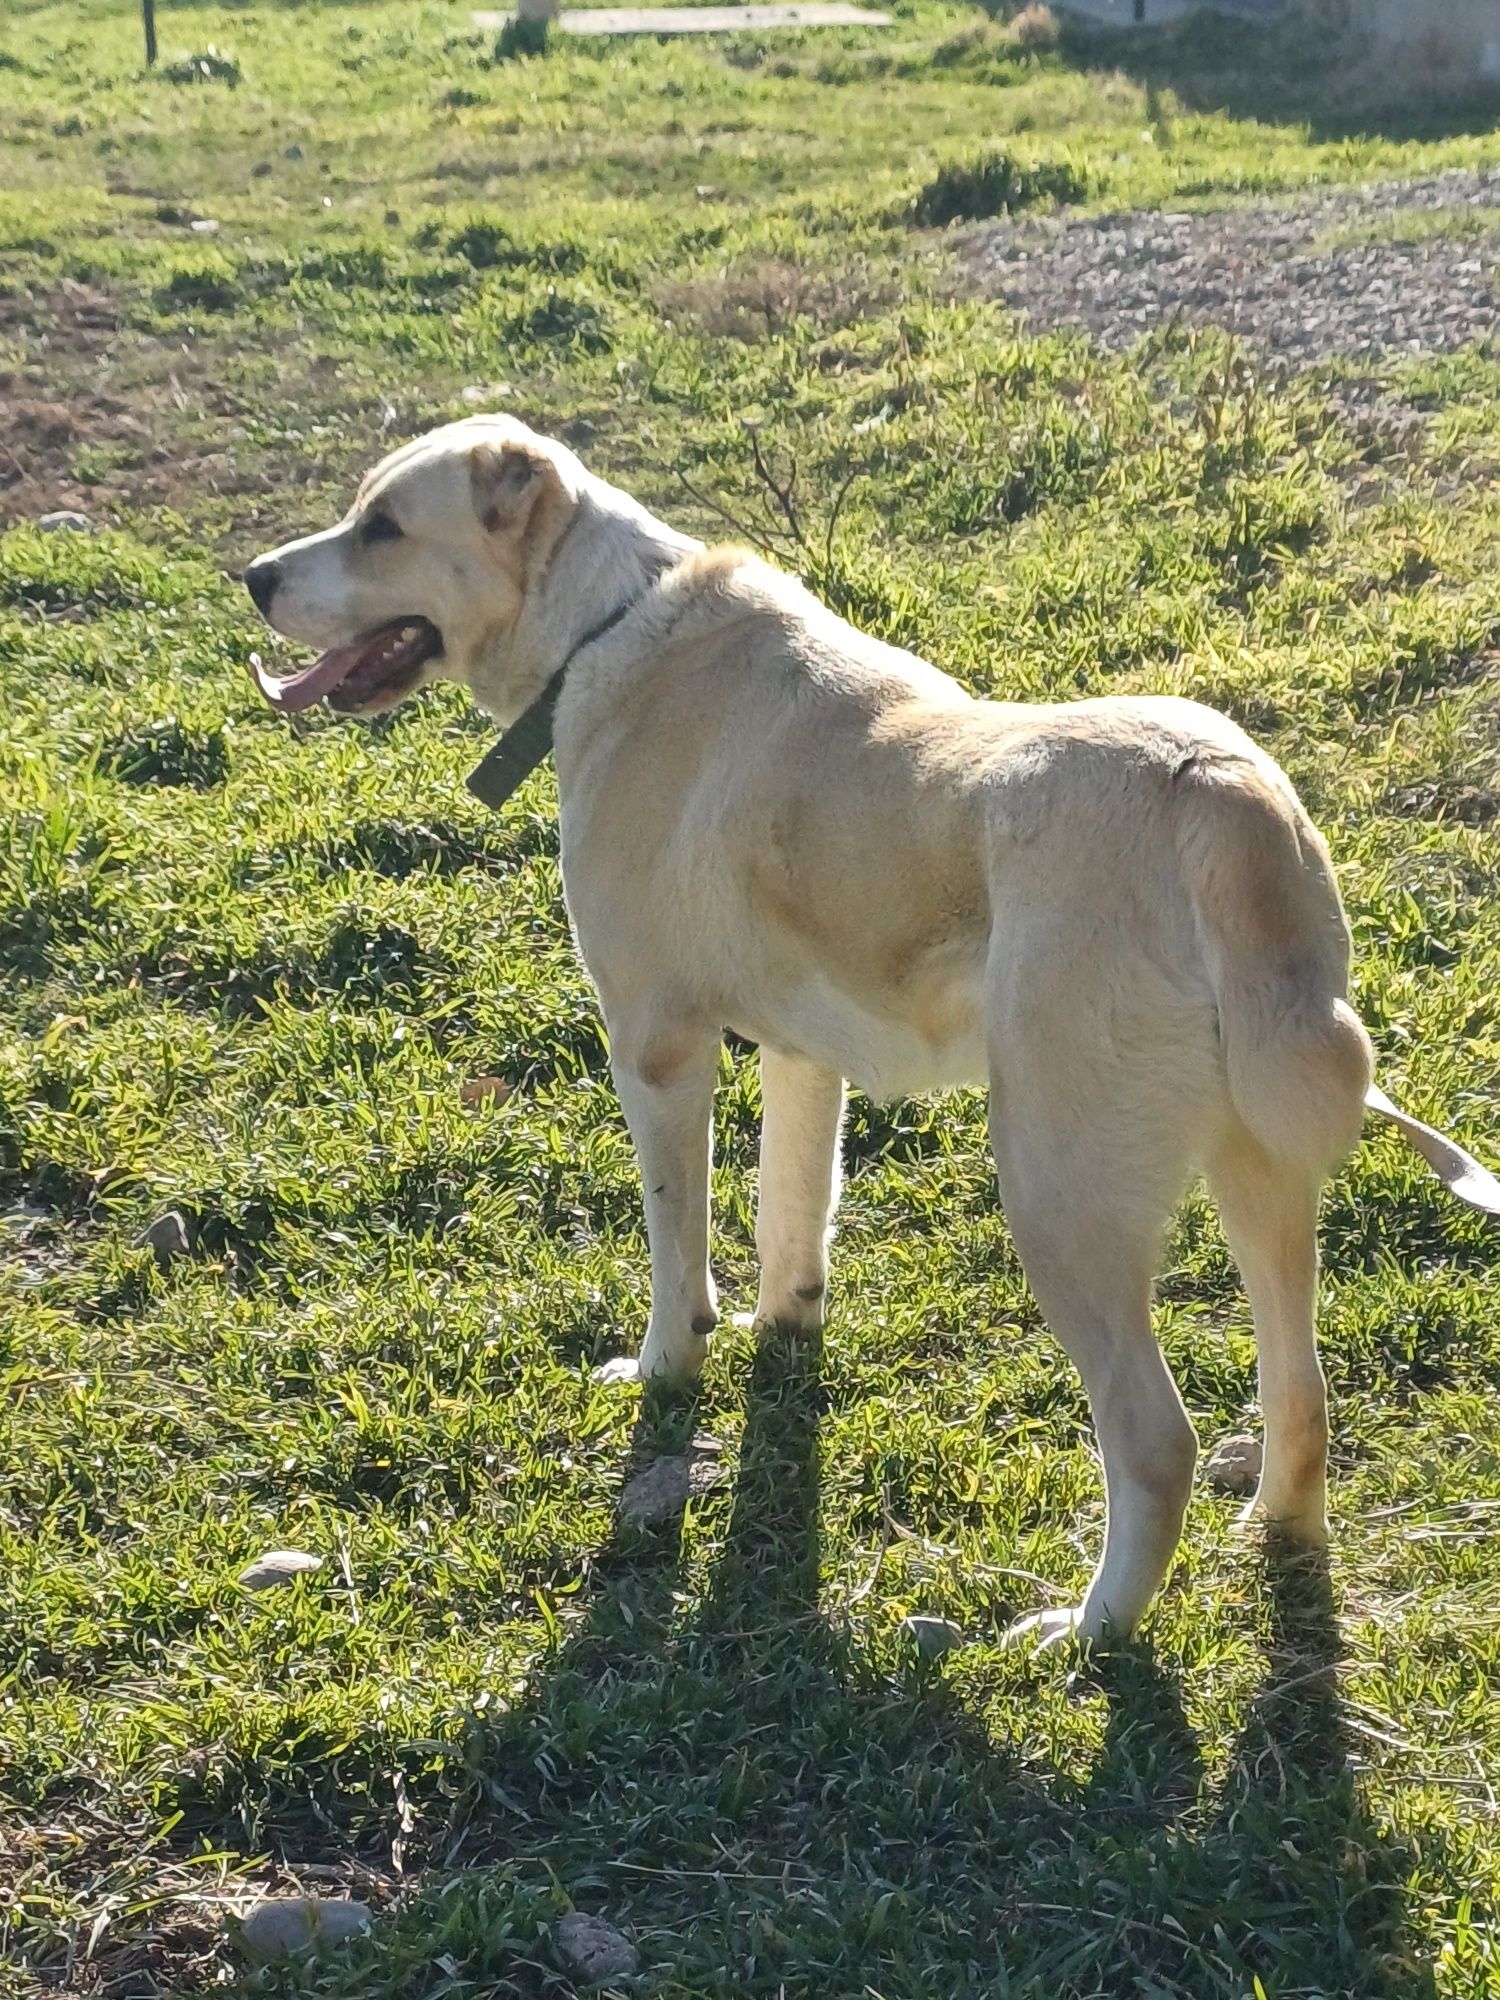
(1459, 1171)
(504, 479)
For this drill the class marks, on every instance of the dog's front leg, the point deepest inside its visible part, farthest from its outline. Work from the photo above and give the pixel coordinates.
(802, 1106)
(666, 1084)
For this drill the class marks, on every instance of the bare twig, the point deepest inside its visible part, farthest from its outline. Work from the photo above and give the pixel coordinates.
(782, 492)
(833, 519)
(784, 531)
(746, 529)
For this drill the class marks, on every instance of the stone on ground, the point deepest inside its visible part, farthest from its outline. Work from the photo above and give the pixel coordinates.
(932, 1636)
(286, 1926)
(1233, 1466)
(278, 1566)
(661, 1489)
(167, 1235)
(595, 1951)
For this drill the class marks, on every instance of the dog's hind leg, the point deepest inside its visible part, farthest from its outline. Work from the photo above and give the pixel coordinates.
(1090, 1267)
(1270, 1215)
(1092, 1140)
(802, 1106)
(666, 1088)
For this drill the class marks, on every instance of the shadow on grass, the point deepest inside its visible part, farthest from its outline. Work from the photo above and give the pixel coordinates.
(1286, 74)
(769, 1811)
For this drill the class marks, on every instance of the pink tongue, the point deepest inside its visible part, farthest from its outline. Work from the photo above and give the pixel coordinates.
(299, 691)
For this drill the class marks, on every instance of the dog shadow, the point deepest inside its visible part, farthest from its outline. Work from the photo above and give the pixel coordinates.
(752, 1793)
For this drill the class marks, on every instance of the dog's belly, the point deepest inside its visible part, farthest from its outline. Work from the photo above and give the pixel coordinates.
(884, 1054)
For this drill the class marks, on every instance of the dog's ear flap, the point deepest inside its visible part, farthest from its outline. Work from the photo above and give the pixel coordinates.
(505, 480)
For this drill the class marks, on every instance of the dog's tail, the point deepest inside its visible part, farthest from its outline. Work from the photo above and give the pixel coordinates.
(1276, 946)
(1299, 1064)
(1459, 1171)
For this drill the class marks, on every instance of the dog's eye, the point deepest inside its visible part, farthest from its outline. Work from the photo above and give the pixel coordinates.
(380, 528)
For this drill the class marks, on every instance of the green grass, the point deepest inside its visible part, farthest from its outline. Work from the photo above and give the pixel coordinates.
(250, 966)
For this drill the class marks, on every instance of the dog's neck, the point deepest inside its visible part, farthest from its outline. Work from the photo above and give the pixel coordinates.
(609, 554)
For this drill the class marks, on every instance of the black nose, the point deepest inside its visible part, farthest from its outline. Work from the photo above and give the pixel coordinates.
(261, 580)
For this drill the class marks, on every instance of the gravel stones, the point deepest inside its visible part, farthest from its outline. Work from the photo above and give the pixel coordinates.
(1419, 276)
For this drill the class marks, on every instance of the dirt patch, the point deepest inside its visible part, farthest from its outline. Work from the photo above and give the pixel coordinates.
(106, 418)
(71, 439)
(35, 1243)
(146, 1926)
(758, 301)
(1403, 267)
(47, 444)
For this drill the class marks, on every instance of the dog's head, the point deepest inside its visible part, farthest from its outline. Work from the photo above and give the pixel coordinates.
(428, 572)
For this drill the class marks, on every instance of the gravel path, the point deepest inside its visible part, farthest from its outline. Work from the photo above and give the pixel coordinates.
(1257, 268)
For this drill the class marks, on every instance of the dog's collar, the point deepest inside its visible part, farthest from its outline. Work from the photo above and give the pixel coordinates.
(501, 773)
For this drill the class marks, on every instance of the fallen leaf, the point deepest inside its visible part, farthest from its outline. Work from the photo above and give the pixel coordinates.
(484, 1090)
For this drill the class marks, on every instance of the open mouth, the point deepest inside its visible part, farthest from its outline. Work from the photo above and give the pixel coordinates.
(373, 672)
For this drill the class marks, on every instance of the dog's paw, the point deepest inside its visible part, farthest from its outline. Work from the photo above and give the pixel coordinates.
(804, 1319)
(1044, 1631)
(620, 1368)
(1297, 1525)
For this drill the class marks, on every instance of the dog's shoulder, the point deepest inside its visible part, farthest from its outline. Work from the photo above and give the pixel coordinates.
(725, 578)
(714, 594)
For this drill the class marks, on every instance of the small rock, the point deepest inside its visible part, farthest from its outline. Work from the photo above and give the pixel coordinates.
(292, 153)
(167, 1236)
(661, 1490)
(932, 1636)
(78, 524)
(204, 226)
(484, 392)
(1234, 1465)
(286, 1926)
(392, 218)
(594, 1950)
(619, 1368)
(278, 1566)
(261, 168)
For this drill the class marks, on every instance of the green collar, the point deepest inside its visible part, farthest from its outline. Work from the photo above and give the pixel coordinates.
(501, 773)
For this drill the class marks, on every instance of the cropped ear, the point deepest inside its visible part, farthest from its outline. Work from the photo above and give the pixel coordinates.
(505, 480)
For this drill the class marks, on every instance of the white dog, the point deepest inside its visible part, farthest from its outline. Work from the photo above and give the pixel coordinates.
(1115, 912)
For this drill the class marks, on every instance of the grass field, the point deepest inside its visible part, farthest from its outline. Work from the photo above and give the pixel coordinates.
(249, 967)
